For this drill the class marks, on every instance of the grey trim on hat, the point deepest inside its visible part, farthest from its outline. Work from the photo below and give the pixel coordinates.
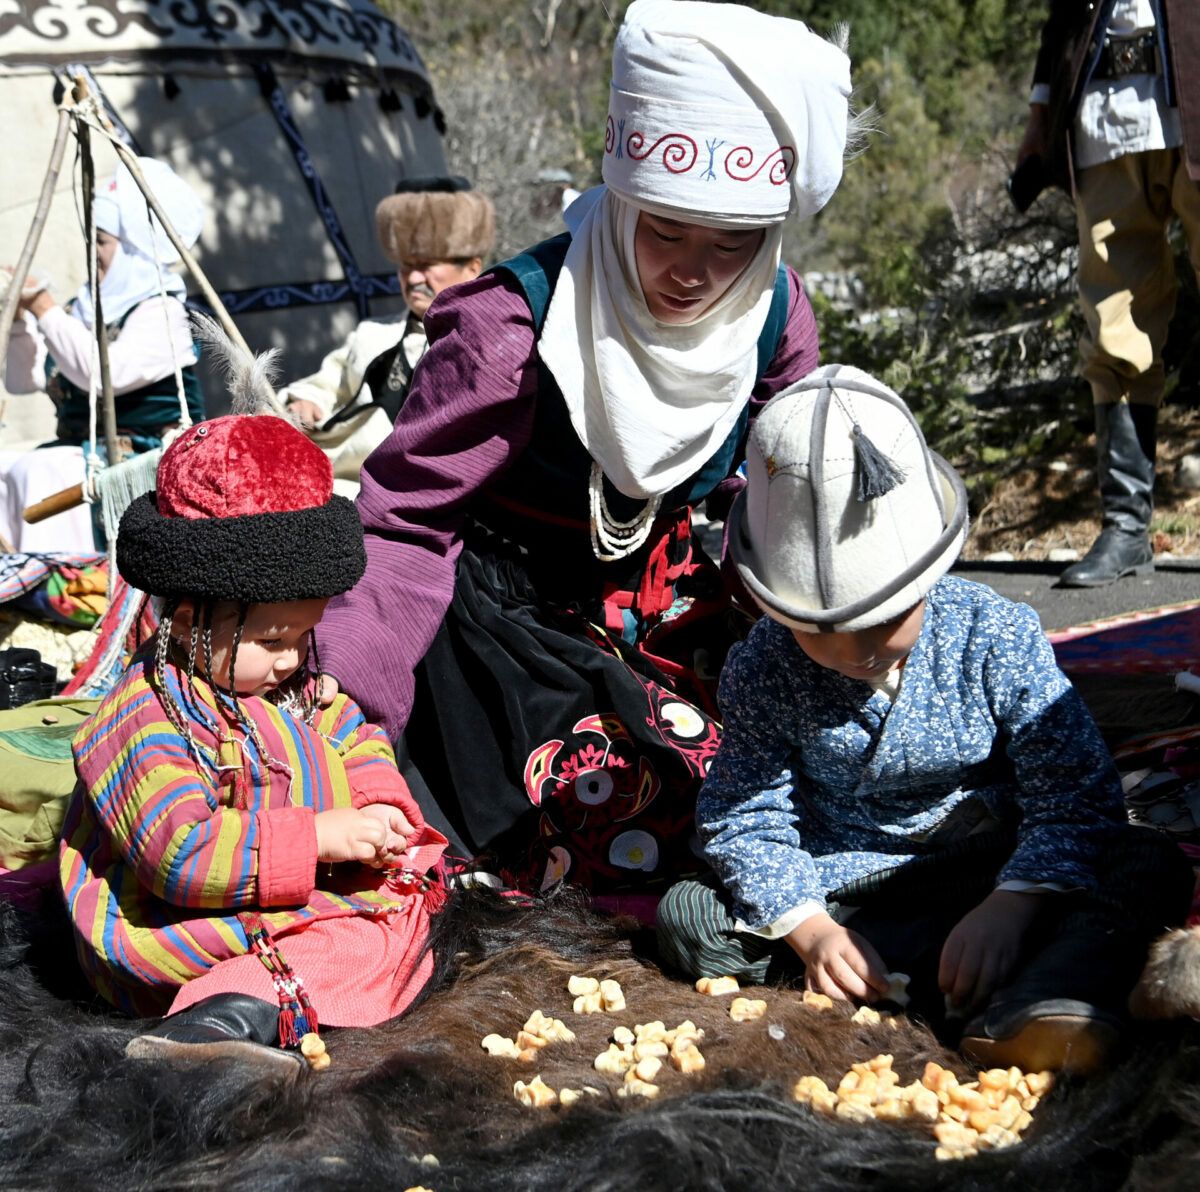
(816, 474)
(827, 620)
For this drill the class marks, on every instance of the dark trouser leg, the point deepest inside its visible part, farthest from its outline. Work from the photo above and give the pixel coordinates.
(696, 936)
(231, 1025)
(1065, 1007)
(1125, 448)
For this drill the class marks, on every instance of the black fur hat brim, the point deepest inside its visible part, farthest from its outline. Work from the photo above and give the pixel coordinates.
(260, 558)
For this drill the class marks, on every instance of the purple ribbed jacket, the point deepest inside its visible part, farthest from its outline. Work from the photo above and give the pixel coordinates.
(468, 417)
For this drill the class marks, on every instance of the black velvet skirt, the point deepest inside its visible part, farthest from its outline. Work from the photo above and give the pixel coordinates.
(555, 750)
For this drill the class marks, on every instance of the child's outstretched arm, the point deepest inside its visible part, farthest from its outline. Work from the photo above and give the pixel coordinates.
(751, 820)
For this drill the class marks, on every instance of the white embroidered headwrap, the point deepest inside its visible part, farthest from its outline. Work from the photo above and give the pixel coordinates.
(120, 210)
(716, 108)
(653, 401)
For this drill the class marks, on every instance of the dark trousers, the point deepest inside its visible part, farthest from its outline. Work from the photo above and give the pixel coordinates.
(1088, 947)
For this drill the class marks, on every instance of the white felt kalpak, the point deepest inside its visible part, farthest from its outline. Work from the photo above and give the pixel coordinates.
(720, 109)
(811, 552)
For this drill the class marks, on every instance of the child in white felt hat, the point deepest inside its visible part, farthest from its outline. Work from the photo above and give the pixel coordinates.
(906, 779)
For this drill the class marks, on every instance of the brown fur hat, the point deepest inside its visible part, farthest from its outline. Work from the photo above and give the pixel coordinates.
(435, 219)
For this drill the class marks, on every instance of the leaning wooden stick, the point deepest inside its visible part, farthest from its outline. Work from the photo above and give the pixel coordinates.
(25, 260)
(108, 405)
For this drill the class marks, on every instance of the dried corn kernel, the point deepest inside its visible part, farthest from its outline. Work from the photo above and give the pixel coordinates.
(536, 1094)
(650, 1049)
(819, 1001)
(622, 1034)
(553, 1030)
(588, 1003)
(499, 1045)
(638, 1088)
(650, 1032)
(688, 1059)
(646, 1069)
(897, 990)
(615, 1061)
(716, 986)
(312, 1045)
(578, 985)
(611, 996)
(744, 1009)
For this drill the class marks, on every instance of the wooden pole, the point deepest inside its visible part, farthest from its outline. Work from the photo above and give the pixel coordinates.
(83, 131)
(25, 260)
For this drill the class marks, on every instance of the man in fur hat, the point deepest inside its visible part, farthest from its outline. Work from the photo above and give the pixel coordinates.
(437, 231)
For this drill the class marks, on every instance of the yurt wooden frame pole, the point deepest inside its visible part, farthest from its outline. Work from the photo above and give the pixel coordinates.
(25, 260)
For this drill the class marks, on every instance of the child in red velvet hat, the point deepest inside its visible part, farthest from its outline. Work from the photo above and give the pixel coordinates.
(235, 855)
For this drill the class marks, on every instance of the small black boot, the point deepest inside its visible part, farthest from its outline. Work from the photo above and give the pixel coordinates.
(226, 1025)
(1126, 439)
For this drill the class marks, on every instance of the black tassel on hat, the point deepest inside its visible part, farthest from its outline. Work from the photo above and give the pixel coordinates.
(877, 475)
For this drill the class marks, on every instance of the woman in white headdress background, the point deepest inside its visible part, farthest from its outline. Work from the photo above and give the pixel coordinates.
(52, 348)
(528, 521)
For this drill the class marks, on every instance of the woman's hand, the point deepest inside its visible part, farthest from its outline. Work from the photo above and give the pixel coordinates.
(34, 296)
(306, 414)
(349, 834)
(838, 962)
(397, 829)
(984, 946)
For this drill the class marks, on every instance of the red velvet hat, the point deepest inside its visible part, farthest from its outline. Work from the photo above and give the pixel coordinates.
(244, 510)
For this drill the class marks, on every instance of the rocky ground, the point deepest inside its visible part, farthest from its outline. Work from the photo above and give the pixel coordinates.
(1053, 505)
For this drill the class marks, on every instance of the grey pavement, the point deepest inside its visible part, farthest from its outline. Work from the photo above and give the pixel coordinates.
(1175, 581)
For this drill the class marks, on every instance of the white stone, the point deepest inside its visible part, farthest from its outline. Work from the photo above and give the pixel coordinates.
(1064, 554)
(1187, 472)
(1000, 556)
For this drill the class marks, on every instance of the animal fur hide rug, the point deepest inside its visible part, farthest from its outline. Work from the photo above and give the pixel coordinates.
(76, 1114)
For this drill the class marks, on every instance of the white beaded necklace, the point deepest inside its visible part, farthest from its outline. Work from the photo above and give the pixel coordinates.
(612, 539)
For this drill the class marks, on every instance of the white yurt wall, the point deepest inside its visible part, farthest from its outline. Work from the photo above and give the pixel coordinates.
(190, 80)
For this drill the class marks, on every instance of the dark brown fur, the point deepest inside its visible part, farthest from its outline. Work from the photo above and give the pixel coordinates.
(75, 1113)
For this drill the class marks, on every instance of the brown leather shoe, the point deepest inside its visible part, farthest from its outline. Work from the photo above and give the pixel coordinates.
(1057, 1036)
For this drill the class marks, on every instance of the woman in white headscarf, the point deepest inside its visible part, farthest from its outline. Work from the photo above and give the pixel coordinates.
(52, 348)
(528, 521)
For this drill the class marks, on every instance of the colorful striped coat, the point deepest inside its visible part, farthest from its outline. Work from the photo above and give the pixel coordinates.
(161, 851)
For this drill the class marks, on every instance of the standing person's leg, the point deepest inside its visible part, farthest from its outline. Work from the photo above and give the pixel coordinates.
(1127, 294)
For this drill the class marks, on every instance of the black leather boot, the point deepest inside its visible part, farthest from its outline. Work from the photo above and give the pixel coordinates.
(1126, 437)
(226, 1025)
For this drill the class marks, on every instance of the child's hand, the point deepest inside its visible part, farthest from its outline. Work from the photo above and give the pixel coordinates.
(838, 962)
(984, 946)
(397, 829)
(348, 834)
